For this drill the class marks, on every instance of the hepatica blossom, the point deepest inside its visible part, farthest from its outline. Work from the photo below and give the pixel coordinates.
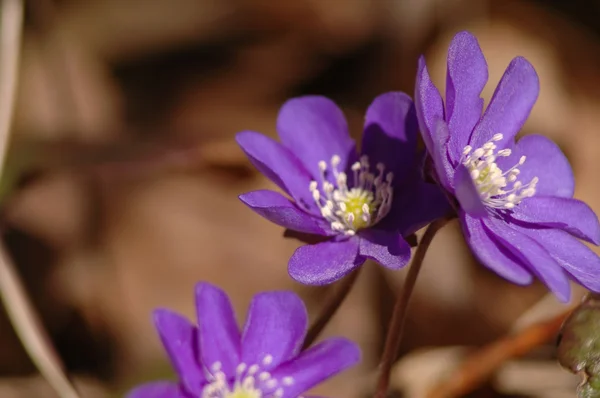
(516, 198)
(215, 360)
(361, 204)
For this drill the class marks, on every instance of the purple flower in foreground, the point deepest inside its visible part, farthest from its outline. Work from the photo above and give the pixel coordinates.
(362, 205)
(215, 360)
(516, 205)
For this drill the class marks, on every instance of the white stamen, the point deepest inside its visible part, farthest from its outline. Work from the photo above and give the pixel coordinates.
(491, 181)
(316, 194)
(287, 381)
(249, 381)
(267, 360)
(351, 208)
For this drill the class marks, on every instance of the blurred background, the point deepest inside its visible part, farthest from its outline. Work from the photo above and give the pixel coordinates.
(122, 178)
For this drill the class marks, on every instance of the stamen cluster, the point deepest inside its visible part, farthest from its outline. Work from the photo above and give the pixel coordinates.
(249, 382)
(350, 209)
(491, 181)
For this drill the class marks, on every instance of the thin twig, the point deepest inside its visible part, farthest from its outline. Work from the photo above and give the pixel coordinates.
(18, 307)
(331, 306)
(394, 335)
(11, 22)
(481, 365)
(29, 328)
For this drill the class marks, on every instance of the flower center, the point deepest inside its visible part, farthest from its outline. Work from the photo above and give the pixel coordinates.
(492, 183)
(239, 392)
(249, 382)
(350, 209)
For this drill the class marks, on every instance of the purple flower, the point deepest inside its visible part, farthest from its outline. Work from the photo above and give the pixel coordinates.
(361, 205)
(215, 360)
(516, 198)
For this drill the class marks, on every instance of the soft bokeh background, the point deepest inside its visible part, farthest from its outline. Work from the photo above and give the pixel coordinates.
(123, 173)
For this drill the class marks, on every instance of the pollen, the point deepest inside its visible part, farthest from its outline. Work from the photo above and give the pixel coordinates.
(349, 209)
(498, 189)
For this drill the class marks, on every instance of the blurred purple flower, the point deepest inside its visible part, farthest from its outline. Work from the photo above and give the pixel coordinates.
(516, 198)
(215, 360)
(361, 206)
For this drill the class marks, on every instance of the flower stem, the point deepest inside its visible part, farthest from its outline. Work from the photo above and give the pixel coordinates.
(330, 308)
(394, 334)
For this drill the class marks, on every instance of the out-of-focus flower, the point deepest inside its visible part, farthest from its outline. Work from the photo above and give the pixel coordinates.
(515, 199)
(362, 205)
(215, 360)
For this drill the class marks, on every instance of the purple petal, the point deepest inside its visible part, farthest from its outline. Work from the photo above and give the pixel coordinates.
(575, 257)
(491, 253)
(466, 77)
(414, 207)
(276, 326)
(444, 169)
(279, 165)
(388, 248)
(318, 364)
(315, 129)
(390, 135)
(544, 160)
(324, 262)
(510, 105)
(219, 333)
(467, 194)
(158, 389)
(180, 339)
(532, 254)
(278, 209)
(570, 215)
(428, 104)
